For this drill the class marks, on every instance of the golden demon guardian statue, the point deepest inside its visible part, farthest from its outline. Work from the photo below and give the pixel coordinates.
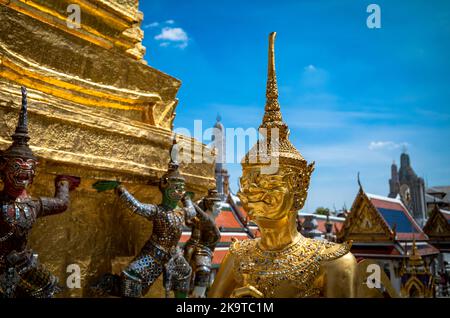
(21, 275)
(160, 254)
(282, 263)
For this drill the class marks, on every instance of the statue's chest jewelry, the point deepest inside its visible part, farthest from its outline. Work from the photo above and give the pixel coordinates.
(19, 215)
(170, 223)
(176, 219)
(268, 271)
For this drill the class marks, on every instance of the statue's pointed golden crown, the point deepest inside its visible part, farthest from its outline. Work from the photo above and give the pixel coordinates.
(273, 123)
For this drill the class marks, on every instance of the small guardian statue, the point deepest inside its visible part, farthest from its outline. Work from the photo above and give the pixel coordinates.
(21, 274)
(199, 249)
(160, 253)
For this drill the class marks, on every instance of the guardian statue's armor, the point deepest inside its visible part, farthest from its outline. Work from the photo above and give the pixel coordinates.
(199, 249)
(159, 254)
(21, 275)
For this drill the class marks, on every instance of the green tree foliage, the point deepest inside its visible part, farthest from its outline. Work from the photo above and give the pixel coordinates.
(322, 211)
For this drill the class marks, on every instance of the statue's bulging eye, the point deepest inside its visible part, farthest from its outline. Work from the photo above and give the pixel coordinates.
(31, 162)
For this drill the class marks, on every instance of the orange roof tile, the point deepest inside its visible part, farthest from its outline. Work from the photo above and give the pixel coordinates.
(227, 219)
(219, 256)
(383, 204)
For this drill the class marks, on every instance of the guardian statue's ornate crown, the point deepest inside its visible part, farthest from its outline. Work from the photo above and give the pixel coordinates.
(274, 148)
(173, 173)
(19, 147)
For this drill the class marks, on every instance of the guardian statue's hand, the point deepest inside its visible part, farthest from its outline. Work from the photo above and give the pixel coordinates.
(187, 198)
(74, 181)
(105, 185)
(248, 291)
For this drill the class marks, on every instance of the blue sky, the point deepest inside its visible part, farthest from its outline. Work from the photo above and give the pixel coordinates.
(352, 96)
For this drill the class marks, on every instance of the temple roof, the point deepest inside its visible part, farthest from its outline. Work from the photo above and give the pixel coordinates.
(438, 227)
(322, 220)
(375, 218)
(433, 199)
(397, 217)
(394, 250)
(438, 195)
(440, 189)
(446, 214)
(228, 218)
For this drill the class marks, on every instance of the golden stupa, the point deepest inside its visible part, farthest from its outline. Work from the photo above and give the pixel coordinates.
(97, 111)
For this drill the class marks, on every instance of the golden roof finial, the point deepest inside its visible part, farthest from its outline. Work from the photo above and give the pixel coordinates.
(415, 260)
(414, 247)
(272, 112)
(271, 75)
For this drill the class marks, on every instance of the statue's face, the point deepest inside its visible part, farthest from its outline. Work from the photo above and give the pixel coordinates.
(175, 190)
(265, 196)
(19, 172)
(209, 204)
(211, 207)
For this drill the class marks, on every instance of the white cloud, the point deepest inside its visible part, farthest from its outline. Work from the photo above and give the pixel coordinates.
(172, 34)
(156, 24)
(314, 77)
(386, 145)
(164, 44)
(182, 45)
(151, 25)
(176, 35)
(310, 68)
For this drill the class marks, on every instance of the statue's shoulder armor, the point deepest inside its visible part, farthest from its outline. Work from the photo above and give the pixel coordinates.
(330, 251)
